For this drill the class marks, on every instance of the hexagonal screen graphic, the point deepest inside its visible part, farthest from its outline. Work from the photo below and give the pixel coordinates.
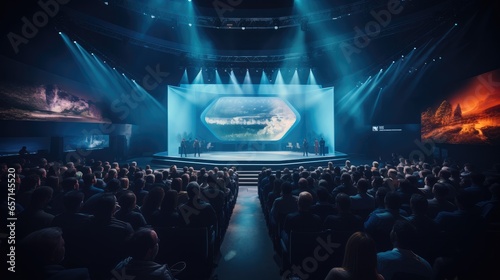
(250, 118)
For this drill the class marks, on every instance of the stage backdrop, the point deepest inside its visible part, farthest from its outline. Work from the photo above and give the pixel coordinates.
(250, 117)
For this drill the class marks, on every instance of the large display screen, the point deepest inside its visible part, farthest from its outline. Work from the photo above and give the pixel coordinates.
(250, 118)
(264, 116)
(471, 115)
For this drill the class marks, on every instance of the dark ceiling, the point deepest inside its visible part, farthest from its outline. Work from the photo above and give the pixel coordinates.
(135, 33)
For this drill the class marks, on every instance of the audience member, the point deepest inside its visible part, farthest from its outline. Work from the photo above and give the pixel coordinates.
(40, 256)
(140, 264)
(401, 262)
(129, 212)
(360, 260)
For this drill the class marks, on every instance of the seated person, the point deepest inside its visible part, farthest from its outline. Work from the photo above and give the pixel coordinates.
(40, 255)
(106, 237)
(379, 225)
(345, 220)
(144, 246)
(129, 211)
(196, 212)
(401, 259)
(323, 208)
(303, 219)
(72, 224)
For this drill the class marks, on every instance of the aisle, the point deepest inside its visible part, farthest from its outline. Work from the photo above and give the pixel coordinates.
(247, 251)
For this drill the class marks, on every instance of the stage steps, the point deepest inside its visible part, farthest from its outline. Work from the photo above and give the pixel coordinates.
(248, 178)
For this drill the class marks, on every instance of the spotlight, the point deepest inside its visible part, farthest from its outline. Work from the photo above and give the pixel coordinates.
(243, 28)
(440, 58)
(276, 27)
(402, 56)
(133, 81)
(190, 24)
(393, 61)
(104, 61)
(106, 3)
(74, 42)
(153, 16)
(114, 68)
(414, 48)
(456, 24)
(91, 53)
(60, 32)
(123, 74)
(381, 70)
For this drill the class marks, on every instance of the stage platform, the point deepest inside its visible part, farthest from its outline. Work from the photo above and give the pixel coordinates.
(249, 160)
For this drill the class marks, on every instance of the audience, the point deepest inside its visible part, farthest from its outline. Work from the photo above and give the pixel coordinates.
(447, 229)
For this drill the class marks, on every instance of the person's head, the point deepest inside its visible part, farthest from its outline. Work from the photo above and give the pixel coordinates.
(363, 185)
(154, 198)
(41, 197)
(392, 201)
(444, 174)
(305, 201)
(158, 177)
(440, 190)
(346, 178)
(193, 190)
(89, 179)
(343, 202)
(127, 201)
(418, 204)
(169, 200)
(112, 174)
(377, 182)
(104, 206)
(144, 244)
(176, 184)
(403, 234)
(430, 180)
(360, 257)
(30, 182)
(303, 183)
(323, 195)
(42, 247)
(72, 201)
(149, 178)
(124, 183)
(286, 188)
(113, 186)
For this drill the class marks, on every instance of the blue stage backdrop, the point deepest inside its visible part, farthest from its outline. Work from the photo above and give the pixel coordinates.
(249, 117)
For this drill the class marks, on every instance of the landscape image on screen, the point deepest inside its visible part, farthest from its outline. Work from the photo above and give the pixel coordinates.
(45, 102)
(92, 142)
(470, 116)
(250, 118)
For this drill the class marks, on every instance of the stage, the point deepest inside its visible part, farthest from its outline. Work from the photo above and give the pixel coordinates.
(249, 160)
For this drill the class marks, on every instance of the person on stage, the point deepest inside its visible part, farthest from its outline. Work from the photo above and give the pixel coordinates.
(184, 147)
(197, 147)
(305, 146)
(316, 146)
(322, 146)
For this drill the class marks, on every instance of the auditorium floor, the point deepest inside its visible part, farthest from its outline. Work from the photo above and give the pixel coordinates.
(247, 251)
